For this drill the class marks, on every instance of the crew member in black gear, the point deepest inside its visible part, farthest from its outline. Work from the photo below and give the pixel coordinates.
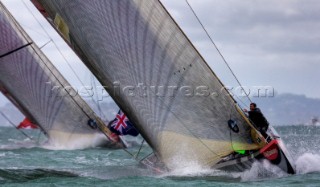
(258, 119)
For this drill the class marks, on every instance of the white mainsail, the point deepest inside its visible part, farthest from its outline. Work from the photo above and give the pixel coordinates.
(31, 82)
(156, 76)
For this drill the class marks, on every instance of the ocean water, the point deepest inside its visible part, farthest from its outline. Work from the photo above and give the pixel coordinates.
(28, 163)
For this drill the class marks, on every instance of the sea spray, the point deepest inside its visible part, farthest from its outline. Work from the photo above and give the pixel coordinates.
(105, 167)
(308, 163)
(262, 170)
(75, 142)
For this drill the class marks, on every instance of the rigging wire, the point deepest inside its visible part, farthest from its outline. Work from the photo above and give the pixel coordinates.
(65, 59)
(46, 64)
(139, 149)
(216, 47)
(70, 68)
(247, 95)
(169, 108)
(39, 135)
(79, 78)
(94, 85)
(11, 123)
(45, 44)
(224, 60)
(60, 52)
(76, 102)
(51, 40)
(15, 50)
(81, 81)
(34, 30)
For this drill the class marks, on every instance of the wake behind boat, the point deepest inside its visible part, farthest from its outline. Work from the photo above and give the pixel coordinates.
(157, 77)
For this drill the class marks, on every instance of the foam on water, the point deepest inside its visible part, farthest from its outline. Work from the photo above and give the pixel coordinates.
(193, 169)
(261, 170)
(199, 173)
(305, 163)
(80, 142)
(114, 164)
(258, 171)
(18, 144)
(308, 163)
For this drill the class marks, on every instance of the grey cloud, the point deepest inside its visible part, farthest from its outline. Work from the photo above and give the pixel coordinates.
(258, 38)
(266, 42)
(288, 26)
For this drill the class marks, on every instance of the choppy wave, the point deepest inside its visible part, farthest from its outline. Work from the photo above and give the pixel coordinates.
(24, 161)
(23, 175)
(302, 142)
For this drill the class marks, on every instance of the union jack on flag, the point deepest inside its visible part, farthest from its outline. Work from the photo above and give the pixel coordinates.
(121, 125)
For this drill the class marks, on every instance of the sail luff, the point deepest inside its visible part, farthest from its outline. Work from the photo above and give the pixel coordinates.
(53, 70)
(165, 86)
(222, 84)
(40, 91)
(21, 108)
(70, 91)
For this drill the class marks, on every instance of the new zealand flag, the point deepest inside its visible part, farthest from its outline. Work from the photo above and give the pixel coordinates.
(122, 126)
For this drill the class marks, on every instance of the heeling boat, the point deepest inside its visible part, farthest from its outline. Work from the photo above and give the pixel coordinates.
(31, 82)
(158, 78)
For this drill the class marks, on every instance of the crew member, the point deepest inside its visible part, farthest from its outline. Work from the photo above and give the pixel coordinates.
(258, 119)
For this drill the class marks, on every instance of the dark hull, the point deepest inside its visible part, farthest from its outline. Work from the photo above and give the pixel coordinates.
(237, 164)
(274, 152)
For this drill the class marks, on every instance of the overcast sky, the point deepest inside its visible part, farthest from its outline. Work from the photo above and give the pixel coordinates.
(267, 43)
(270, 42)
